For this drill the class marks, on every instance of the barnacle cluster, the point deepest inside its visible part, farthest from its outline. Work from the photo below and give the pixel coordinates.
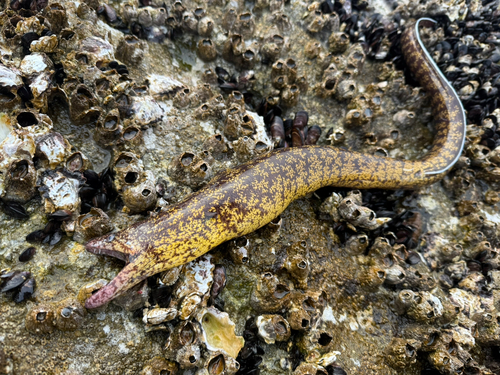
(66, 315)
(113, 110)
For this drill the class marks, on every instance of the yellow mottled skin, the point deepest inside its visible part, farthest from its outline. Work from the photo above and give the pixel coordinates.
(244, 199)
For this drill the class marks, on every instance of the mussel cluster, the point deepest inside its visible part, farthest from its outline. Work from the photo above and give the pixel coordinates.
(249, 357)
(290, 132)
(19, 284)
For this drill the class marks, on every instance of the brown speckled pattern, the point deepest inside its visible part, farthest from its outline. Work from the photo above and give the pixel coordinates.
(243, 199)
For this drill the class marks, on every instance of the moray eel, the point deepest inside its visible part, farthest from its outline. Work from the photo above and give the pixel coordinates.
(241, 200)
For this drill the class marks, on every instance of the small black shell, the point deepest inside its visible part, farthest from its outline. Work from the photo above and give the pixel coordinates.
(219, 281)
(313, 134)
(27, 254)
(14, 280)
(15, 210)
(61, 215)
(26, 291)
(36, 236)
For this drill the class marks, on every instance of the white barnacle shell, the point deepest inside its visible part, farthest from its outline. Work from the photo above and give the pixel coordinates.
(328, 358)
(38, 68)
(429, 307)
(40, 86)
(219, 362)
(44, 44)
(13, 144)
(10, 78)
(466, 301)
(140, 196)
(14, 141)
(5, 126)
(197, 277)
(35, 64)
(53, 148)
(351, 211)
(194, 285)
(260, 134)
(272, 328)
(170, 277)
(30, 24)
(163, 86)
(189, 305)
(147, 110)
(244, 148)
(60, 192)
(125, 163)
(99, 48)
(159, 315)
(463, 336)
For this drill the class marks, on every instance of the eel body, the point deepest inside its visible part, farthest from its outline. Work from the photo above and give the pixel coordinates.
(243, 199)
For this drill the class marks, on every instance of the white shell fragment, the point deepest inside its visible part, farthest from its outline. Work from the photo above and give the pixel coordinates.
(218, 332)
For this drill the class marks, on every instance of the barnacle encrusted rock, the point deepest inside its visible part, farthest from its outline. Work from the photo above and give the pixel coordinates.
(97, 101)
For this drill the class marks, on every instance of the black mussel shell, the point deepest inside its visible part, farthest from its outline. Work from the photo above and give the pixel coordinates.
(17, 279)
(27, 254)
(26, 291)
(15, 210)
(61, 215)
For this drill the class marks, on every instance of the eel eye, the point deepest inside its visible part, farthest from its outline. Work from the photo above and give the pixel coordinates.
(111, 238)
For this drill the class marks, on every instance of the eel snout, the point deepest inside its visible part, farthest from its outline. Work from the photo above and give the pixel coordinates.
(133, 272)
